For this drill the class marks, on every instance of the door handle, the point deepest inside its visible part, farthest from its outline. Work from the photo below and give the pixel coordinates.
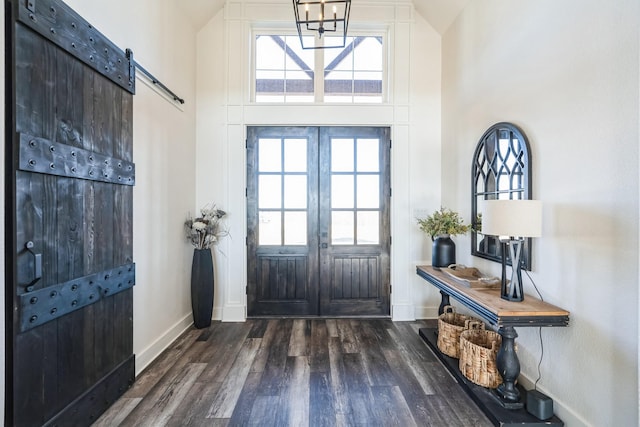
(37, 264)
(324, 236)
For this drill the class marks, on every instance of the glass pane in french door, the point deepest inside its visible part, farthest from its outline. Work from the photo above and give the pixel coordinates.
(282, 191)
(355, 191)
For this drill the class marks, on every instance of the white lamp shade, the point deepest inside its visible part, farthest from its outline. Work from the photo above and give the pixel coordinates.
(513, 218)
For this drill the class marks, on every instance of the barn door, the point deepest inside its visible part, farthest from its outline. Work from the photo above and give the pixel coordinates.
(318, 237)
(68, 206)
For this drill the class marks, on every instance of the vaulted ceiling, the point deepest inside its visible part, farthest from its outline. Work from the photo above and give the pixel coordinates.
(439, 13)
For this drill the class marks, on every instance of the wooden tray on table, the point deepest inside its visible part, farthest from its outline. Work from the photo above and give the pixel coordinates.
(470, 277)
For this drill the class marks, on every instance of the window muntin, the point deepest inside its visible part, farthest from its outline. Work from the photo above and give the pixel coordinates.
(286, 73)
(355, 191)
(354, 74)
(282, 191)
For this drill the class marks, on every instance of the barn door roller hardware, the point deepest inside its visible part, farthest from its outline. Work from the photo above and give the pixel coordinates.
(152, 78)
(60, 24)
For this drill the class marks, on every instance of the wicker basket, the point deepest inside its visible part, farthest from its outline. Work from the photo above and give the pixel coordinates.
(450, 326)
(478, 350)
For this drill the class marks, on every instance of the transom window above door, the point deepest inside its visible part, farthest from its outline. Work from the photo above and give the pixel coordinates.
(286, 73)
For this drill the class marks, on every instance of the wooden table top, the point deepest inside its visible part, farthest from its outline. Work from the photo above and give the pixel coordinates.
(487, 303)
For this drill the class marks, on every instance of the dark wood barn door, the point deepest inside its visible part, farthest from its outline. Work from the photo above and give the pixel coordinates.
(318, 236)
(68, 207)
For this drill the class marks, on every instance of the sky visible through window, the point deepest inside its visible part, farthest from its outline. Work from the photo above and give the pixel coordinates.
(286, 73)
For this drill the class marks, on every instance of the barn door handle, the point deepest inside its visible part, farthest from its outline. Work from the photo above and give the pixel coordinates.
(37, 262)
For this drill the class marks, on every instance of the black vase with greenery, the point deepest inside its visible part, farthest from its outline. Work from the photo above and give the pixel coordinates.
(443, 251)
(441, 225)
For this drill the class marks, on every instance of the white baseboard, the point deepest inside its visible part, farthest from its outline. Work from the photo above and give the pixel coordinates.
(569, 417)
(234, 313)
(148, 355)
(403, 312)
(426, 312)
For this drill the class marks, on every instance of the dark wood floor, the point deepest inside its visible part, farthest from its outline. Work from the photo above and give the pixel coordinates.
(297, 372)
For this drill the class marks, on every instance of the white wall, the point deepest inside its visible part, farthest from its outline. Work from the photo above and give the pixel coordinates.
(212, 154)
(567, 74)
(413, 112)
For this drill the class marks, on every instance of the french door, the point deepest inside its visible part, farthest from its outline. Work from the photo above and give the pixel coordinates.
(318, 235)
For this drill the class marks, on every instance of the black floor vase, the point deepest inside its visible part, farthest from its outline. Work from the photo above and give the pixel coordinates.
(202, 288)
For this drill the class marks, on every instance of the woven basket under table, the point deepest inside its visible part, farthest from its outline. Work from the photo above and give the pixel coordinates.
(478, 351)
(450, 326)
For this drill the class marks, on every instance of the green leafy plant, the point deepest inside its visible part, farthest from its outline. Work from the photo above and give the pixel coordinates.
(442, 222)
(477, 227)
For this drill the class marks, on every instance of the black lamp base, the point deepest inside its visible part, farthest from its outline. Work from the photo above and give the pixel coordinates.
(512, 290)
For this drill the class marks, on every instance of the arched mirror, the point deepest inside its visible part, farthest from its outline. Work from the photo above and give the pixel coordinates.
(501, 169)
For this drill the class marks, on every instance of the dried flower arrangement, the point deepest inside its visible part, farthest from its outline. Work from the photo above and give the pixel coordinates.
(205, 231)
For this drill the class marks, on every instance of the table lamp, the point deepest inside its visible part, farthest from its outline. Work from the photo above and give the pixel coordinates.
(512, 221)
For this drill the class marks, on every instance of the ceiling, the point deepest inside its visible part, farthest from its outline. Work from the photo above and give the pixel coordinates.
(439, 13)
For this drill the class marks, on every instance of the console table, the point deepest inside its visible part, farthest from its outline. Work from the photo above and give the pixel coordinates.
(505, 316)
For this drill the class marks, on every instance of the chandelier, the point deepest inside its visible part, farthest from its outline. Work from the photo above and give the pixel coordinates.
(317, 17)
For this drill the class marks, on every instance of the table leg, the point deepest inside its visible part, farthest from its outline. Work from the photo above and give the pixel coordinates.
(509, 368)
(443, 302)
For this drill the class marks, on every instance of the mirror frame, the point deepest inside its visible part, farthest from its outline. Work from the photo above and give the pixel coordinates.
(482, 165)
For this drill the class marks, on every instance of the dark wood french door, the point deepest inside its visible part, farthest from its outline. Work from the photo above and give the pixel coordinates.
(318, 235)
(68, 205)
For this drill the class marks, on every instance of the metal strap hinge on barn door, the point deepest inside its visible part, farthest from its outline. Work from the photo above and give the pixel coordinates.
(61, 25)
(53, 158)
(43, 305)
